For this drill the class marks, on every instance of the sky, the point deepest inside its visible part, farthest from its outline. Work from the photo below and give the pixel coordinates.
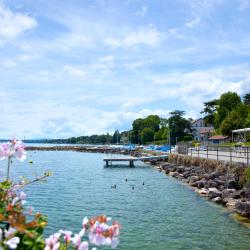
(80, 67)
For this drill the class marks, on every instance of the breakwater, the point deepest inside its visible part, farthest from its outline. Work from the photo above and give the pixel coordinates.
(85, 149)
(221, 182)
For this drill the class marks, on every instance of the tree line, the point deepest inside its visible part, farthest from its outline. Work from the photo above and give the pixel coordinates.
(226, 113)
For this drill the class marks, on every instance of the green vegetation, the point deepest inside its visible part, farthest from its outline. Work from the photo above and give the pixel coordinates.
(227, 113)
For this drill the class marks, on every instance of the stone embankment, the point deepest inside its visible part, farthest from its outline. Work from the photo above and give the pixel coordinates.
(89, 149)
(220, 182)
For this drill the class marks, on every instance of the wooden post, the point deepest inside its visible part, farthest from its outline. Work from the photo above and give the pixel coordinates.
(230, 154)
(247, 155)
(131, 164)
(207, 152)
(107, 163)
(217, 153)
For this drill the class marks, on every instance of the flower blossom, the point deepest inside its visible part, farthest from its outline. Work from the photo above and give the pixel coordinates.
(103, 234)
(13, 149)
(12, 243)
(52, 243)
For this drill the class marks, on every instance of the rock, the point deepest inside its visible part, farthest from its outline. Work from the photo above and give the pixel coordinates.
(203, 191)
(218, 200)
(226, 192)
(173, 174)
(232, 184)
(180, 169)
(211, 184)
(230, 203)
(215, 175)
(243, 208)
(213, 192)
(193, 179)
(201, 183)
(246, 193)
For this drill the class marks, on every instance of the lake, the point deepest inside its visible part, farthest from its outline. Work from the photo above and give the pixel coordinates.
(162, 214)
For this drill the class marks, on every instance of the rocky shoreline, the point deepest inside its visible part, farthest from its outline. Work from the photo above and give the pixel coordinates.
(219, 182)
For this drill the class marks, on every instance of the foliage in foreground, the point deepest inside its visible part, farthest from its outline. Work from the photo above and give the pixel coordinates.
(22, 229)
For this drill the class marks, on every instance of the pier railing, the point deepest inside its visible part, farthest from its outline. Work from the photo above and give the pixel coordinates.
(231, 154)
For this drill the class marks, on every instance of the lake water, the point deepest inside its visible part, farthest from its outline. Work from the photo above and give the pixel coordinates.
(162, 214)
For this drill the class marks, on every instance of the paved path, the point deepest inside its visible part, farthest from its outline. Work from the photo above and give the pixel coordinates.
(233, 156)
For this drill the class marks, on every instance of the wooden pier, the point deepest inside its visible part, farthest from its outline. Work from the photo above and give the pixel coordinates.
(131, 160)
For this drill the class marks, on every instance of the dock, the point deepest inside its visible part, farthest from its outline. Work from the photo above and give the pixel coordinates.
(132, 160)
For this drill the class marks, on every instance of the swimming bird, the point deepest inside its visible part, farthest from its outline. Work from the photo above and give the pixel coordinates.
(113, 186)
(126, 179)
(143, 183)
(133, 187)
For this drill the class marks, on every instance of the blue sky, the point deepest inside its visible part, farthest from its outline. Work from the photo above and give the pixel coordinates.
(70, 68)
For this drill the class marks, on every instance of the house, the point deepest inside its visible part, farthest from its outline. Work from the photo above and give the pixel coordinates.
(219, 139)
(200, 131)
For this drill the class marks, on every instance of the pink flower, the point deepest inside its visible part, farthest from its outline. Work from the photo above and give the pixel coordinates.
(52, 243)
(13, 149)
(84, 246)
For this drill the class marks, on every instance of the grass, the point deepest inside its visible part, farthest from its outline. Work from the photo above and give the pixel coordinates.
(232, 144)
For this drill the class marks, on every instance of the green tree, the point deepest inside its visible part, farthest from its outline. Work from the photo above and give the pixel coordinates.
(177, 125)
(233, 121)
(147, 135)
(209, 111)
(227, 102)
(246, 99)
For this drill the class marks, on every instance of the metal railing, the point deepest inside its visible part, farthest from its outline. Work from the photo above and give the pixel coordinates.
(232, 154)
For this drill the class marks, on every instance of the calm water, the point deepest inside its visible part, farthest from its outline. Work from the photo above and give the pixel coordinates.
(162, 214)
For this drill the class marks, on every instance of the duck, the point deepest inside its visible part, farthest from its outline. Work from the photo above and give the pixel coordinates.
(113, 186)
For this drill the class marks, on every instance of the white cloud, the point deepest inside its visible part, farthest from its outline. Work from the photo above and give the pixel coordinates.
(142, 12)
(149, 36)
(75, 71)
(193, 23)
(13, 24)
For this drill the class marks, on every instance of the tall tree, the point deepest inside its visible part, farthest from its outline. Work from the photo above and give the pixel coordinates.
(209, 111)
(177, 125)
(246, 99)
(227, 102)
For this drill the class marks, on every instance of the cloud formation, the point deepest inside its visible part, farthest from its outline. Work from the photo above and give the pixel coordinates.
(69, 69)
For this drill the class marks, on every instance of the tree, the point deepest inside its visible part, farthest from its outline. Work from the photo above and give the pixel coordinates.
(227, 102)
(233, 121)
(116, 137)
(147, 135)
(246, 99)
(177, 125)
(209, 111)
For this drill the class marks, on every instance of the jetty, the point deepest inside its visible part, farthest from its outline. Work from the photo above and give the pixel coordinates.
(132, 160)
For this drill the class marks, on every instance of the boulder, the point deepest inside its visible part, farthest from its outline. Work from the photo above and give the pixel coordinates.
(232, 184)
(246, 193)
(218, 200)
(230, 203)
(203, 191)
(243, 208)
(201, 183)
(180, 169)
(193, 179)
(213, 192)
(227, 192)
(211, 184)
